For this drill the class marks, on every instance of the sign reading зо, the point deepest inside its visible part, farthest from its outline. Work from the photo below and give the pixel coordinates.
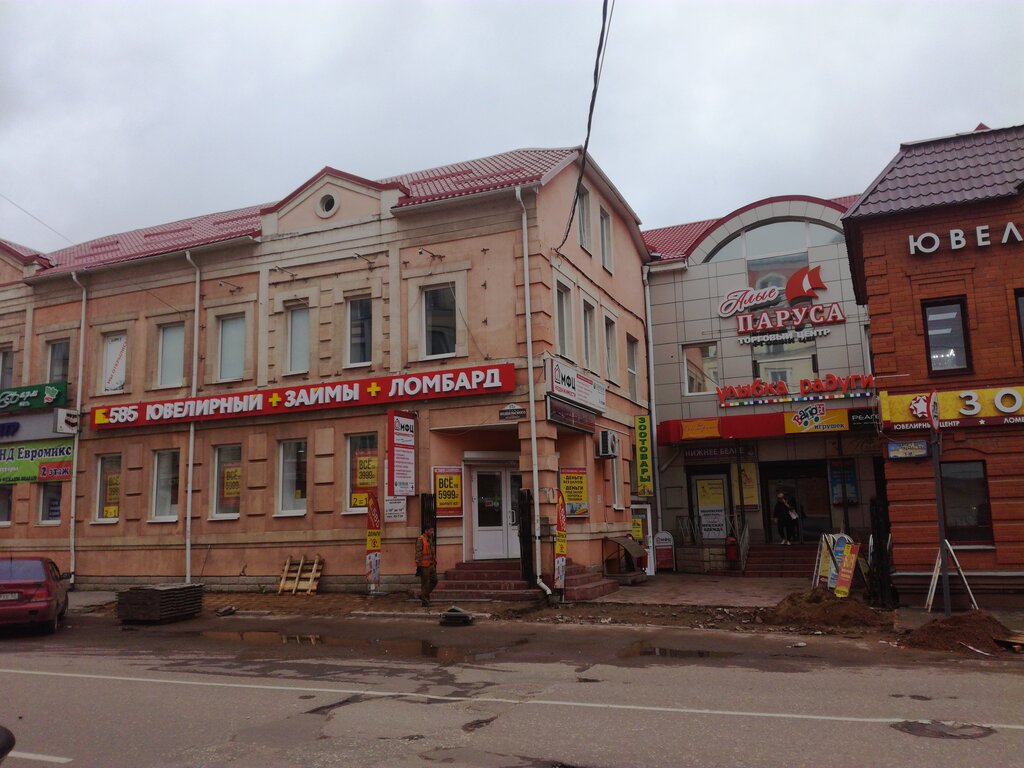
(478, 380)
(963, 408)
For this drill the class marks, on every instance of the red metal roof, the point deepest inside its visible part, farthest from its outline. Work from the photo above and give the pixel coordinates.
(164, 238)
(22, 253)
(680, 240)
(509, 169)
(968, 167)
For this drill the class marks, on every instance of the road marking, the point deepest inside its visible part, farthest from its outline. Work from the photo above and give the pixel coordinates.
(490, 699)
(39, 758)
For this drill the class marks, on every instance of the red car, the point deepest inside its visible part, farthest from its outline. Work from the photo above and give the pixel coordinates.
(33, 591)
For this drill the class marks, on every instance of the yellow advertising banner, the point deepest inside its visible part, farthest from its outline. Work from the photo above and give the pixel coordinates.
(817, 418)
(697, 429)
(448, 491)
(965, 407)
(750, 492)
(572, 482)
(644, 456)
(710, 495)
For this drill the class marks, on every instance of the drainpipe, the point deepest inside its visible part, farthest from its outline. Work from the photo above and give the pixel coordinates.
(533, 402)
(191, 425)
(78, 432)
(650, 396)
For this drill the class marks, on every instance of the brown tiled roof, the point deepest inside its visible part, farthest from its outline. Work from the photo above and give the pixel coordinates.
(968, 167)
(680, 240)
(21, 252)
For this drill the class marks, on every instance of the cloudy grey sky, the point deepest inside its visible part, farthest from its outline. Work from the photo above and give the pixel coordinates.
(117, 115)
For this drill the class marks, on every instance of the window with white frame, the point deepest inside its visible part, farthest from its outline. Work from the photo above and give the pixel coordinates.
(360, 330)
(165, 485)
(293, 477)
(115, 361)
(363, 465)
(439, 320)
(231, 353)
(108, 496)
(589, 333)
(298, 339)
(632, 350)
(6, 499)
(58, 359)
(606, 240)
(611, 351)
(563, 316)
(49, 502)
(227, 480)
(583, 217)
(171, 363)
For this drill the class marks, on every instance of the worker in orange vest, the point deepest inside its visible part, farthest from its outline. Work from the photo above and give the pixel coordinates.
(426, 564)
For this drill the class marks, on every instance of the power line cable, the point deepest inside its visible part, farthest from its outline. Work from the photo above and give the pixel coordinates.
(29, 213)
(598, 67)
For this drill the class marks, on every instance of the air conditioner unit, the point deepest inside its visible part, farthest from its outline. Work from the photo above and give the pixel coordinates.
(607, 444)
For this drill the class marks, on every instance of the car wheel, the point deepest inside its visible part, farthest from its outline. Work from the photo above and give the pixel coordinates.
(51, 626)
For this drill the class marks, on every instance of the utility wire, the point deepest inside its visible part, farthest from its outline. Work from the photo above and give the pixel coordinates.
(598, 67)
(29, 213)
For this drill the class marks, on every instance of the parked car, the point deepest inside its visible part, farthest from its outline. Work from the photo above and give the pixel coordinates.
(6, 743)
(33, 591)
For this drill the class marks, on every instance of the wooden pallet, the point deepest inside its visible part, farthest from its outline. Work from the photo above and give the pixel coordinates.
(160, 603)
(301, 575)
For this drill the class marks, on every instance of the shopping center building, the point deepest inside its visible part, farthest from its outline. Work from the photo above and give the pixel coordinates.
(762, 378)
(256, 384)
(937, 252)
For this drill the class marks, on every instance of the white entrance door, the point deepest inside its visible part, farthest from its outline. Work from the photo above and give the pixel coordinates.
(496, 513)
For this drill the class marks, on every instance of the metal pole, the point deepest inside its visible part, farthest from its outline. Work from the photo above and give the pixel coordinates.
(940, 510)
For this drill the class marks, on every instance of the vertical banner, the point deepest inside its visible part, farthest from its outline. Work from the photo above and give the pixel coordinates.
(364, 477)
(838, 551)
(644, 456)
(711, 507)
(448, 491)
(749, 480)
(561, 544)
(572, 484)
(372, 542)
(401, 473)
(846, 568)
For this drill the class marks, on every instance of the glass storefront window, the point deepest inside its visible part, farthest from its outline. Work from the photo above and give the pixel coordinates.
(228, 469)
(108, 502)
(362, 472)
(966, 502)
(293, 477)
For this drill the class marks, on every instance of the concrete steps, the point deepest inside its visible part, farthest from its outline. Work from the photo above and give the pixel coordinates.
(782, 561)
(581, 584)
(487, 580)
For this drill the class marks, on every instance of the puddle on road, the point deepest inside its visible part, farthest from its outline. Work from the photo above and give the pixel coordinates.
(937, 729)
(402, 647)
(635, 650)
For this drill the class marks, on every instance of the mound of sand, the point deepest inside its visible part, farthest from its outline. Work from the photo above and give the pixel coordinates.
(821, 608)
(950, 633)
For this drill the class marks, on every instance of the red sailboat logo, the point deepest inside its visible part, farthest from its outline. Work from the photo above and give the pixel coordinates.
(803, 284)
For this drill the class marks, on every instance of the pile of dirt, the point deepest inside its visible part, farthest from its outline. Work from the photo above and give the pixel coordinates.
(954, 633)
(821, 608)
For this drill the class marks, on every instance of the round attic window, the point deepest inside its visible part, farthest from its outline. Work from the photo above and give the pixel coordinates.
(327, 206)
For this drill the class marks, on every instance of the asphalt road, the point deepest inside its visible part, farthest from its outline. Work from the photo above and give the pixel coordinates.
(257, 693)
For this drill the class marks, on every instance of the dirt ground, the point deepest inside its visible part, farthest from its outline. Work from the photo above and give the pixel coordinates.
(817, 612)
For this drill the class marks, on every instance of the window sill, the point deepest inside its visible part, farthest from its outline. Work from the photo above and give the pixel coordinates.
(46, 523)
(355, 511)
(163, 520)
(222, 518)
(161, 387)
(445, 356)
(5, 524)
(973, 547)
(294, 374)
(111, 521)
(112, 393)
(367, 364)
(290, 513)
(618, 508)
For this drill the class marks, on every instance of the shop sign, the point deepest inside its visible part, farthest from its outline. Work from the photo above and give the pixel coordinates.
(959, 238)
(32, 425)
(512, 412)
(714, 453)
(961, 408)
(803, 283)
(907, 449)
(711, 507)
(373, 542)
(45, 461)
(829, 387)
(816, 418)
(572, 485)
(37, 396)
(447, 491)
(66, 421)
(571, 416)
(864, 419)
(571, 384)
(750, 492)
(699, 429)
(461, 382)
(644, 456)
(561, 543)
(402, 454)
